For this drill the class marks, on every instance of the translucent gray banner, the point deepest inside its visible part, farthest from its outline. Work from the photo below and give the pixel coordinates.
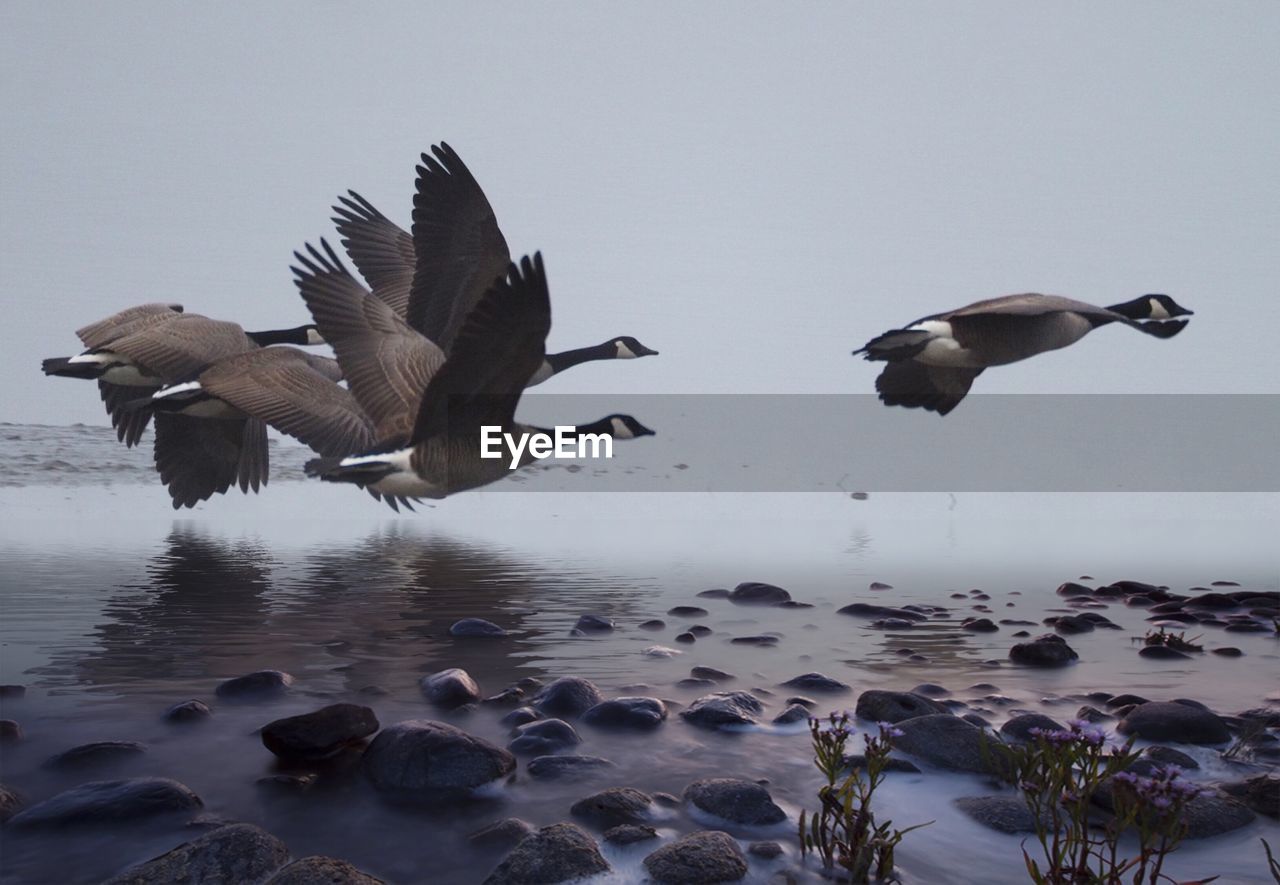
(853, 443)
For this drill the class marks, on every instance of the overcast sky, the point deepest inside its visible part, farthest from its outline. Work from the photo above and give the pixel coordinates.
(752, 189)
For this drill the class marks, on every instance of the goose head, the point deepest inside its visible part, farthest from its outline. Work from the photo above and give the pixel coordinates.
(627, 348)
(625, 427)
(308, 335)
(1151, 307)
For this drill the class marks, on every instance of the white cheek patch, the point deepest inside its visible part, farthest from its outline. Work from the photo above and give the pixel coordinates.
(1158, 311)
(624, 352)
(620, 429)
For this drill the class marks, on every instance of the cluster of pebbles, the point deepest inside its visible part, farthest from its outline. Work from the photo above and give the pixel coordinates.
(430, 760)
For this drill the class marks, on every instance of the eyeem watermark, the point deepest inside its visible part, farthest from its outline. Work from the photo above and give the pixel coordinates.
(565, 442)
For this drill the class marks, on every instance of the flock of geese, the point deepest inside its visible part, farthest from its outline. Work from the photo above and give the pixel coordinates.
(440, 339)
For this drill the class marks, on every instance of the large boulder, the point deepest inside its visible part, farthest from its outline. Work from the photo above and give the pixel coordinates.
(320, 734)
(320, 870)
(422, 756)
(757, 593)
(723, 708)
(1044, 651)
(739, 801)
(947, 742)
(639, 713)
(103, 802)
(568, 696)
(877, 705)
(1173, 721)
(706, 856)
(450, 688)
(558, 853)
(234, 853)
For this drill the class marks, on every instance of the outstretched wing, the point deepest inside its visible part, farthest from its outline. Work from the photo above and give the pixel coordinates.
(197, 458)
(501, 345)
(459, 249)
(128, 420)
(131, 319)
(916, 385)
(380, 249)
(184, 346)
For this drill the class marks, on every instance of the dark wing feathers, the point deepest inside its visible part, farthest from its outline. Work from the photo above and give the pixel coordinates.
(184, 346)
(380, 249)
(387, 364)
(499, 348)
(915, 385)
(128, 421)
(119, 324)
(196, 457)
(459, 248)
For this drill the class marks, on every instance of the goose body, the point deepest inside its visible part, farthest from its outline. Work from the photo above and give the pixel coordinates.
(932, 362)
(433, 277)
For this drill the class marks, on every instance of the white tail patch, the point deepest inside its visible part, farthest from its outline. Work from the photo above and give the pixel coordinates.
(102, 358)
(398, 459)
(176, 389)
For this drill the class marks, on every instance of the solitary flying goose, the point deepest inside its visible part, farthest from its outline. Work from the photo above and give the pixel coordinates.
(434, 277)
(932, 362)
(495, 352)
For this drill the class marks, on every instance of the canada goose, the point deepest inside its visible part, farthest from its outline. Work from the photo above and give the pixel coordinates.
(434, 277)
(932, 362)
(480, 383)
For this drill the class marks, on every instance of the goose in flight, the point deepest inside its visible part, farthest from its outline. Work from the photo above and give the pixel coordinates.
(433, 277)
(479, 384)
(932, 363)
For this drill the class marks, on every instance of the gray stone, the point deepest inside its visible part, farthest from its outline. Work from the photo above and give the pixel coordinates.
(639, 713)
(816, 682)
(1008, 814)
(234, 853)
(979, 625)
(110, 801)
(1212, 814)
(711, 673)
(544, 737)
(1019, 727)
(688, 611)
(756, 593)
(725, 708)
(476, 628)
(558, 853)
(320, 870)
(10, 802)
(738, 801)
(594, 624)
(877, 705)
(1172, 721)
(947, 742)
(502, 835)
(259, 685)
(567, 767)
(765, 850)
(96, 754)
(1261, 793)
(1170, 756)
(187, 712)
(629, 834)
(450, 688)
(614, 806)
(793, 714)
(868, 610)
(1045, 651)
(568, 696)
(10, 731)
(13, 691)
(320, 734)
(519, 716)
(705, 856)
(422, 756)
(715, 593)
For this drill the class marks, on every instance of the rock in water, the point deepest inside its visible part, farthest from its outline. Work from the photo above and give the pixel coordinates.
(420, 756)
(1008, 814)
(756, 593)
(594, 624)
(723, 708)
(234, 853)
(187, 712)
(629, 834)
(96, 754)
(947, 742)
(638, 713)
(502, 835)
(320, 734)
(568, 696)
(739, 801)
(567, 767)
(614, 807)
(816, 682)
(1172, 721)
(450, 688)
(558, 853)
(544, 737)
(1019, 727)
(102, 802)
(476, 628)
(319, 870)
(10, 802)
(1043, 651)
(877, 705)
(706, 856)
(259, 685)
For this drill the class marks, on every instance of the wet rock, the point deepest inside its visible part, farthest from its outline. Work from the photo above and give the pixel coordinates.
(686, 638)
(706, 856)
(10, 802)
(319, 870)
(1019, 727)
(652, 624)
(1093, 714)
(879, 585)
(111, 801)
(568, 696)
(1180, 723)
(756, 593)
(1071, 588)
(978, 625)
(660, 651)
(594, 624)
(519, 716)
(422, 756)
(10, 731)
(98, 753)
(765, 850)
(1170, 756)
(1044, 651)
(816, 682)
(794, 713)
(725, 708)
(1071, 624)
(187, 712)
(501, 835)
(569, 767)
(450, 688)
(477, 628)
(867, 610)
(710, 673)
(558, 853)
(931, 690)
(1007, 813)
(803, 701)
(766, 641)
(629, 834)
(738, 801)
(234, 853)
(716, 593)
(893, 763)
(286, 784)
(260, 685)
(695, 683)
(1124, 700)
(508, 697)
(666, 800)
(1228, 651)
(614, 806)
(320, 734)
(1162, 653)
(877, 705)
(947, 742)
(544, 737)
(700, 630)
(1261, 793)
(1212, 814)
(638, 713)
(688, 611)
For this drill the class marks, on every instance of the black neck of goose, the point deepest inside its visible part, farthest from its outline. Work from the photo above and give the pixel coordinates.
(296, 335)
(568, 358)
(1137, 309)
(604, 427)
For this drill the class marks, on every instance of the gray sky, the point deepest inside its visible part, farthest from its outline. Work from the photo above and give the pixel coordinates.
(753, 189)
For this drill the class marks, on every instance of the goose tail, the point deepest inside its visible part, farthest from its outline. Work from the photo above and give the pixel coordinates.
(63, 367)
(900, 344)
(361, 471)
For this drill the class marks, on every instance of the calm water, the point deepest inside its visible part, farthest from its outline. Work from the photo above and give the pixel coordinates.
(115, 608)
